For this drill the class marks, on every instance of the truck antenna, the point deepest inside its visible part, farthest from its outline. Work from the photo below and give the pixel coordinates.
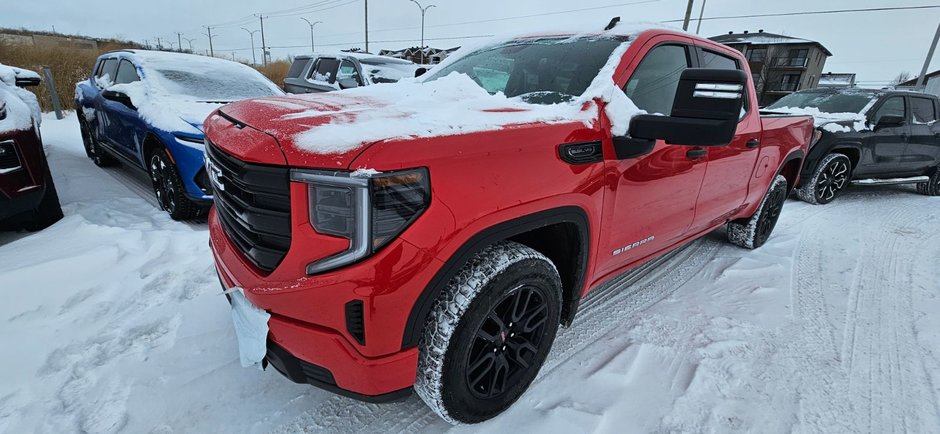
(613, 23)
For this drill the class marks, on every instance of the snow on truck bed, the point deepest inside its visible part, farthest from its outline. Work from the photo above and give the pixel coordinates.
(113, 321)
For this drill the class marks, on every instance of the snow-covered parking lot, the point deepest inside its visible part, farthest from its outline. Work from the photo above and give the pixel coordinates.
(113, 320)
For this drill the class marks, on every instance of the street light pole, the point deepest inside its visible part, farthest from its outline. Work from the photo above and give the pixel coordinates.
(921, 79)
(423, 9)
(313, 48)
(254, 60)
(688, 14)
(190, 43)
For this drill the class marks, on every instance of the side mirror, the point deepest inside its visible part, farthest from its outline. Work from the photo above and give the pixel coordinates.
(27, 81)
(420, 71)
(120, 97)
(705, 111)
(348, 83)
(890, 122)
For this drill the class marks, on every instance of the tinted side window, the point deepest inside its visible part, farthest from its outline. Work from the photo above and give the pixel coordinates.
(652, 87)
(126, 73)
(923, 110)
(108, 69)
(720, 61)
(325, 70)
(894, 106)
(297, 67)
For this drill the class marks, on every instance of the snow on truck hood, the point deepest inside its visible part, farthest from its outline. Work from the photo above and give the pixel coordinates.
(341, 123)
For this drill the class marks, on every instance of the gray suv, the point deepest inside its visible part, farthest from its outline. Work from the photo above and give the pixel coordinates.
(329, 72)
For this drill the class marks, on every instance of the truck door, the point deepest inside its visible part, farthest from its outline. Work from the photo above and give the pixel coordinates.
(923, 147)
(730, 167)
(885, 146)
(652, 199)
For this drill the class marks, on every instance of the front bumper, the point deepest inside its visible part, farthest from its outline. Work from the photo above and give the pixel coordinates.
(309, 340)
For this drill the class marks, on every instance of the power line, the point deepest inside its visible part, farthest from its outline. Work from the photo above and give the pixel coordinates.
(359, 42)
(834, 11)
(491, 20)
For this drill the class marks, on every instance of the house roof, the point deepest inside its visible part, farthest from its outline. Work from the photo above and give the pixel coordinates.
(913, 81)
(764, 38)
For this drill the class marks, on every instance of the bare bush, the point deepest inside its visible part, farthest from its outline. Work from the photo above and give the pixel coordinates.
(275, 71)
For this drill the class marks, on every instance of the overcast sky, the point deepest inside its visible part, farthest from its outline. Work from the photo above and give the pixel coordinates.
(876, 45)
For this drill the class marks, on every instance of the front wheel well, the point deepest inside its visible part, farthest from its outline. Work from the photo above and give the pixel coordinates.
(151, 145)
(561, 243)
(791, 171)
(851, 153)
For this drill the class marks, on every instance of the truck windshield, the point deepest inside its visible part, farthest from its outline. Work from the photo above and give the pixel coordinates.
(826, 102)
(539, 70)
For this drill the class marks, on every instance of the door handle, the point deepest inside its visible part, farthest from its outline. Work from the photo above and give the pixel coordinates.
(695, 154)
(753, 143)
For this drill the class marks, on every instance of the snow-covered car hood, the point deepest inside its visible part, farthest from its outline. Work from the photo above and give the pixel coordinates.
(832, 122)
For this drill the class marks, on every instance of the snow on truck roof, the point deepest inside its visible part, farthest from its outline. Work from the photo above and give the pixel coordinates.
(362, 57)
(456, 104)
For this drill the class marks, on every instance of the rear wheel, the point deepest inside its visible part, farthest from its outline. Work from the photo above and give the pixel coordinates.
(98, 154)
(831, 177)
(489, 333)
(755, 231)
(932, 186)
(168, 187)
(86, 134)
(49, 210)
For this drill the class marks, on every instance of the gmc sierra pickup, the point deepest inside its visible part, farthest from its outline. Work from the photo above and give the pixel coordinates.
(433, 235)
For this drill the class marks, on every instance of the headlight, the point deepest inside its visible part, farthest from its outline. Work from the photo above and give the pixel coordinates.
(368, 209)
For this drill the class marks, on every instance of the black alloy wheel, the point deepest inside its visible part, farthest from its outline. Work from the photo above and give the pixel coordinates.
(507, 342)
(162, 175)
(833, 178)
(770, 214)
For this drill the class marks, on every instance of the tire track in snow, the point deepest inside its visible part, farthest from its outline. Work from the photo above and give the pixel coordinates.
(603, 310)
(864, 382)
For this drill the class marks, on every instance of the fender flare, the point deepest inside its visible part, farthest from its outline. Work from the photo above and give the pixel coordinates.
(501, 231)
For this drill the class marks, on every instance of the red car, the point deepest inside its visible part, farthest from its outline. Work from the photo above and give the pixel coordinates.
(433, 236)
(28, 197)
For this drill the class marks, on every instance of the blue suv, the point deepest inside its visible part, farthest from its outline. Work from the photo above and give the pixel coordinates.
(145, 109)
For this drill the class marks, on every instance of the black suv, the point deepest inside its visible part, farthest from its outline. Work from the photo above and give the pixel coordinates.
(869, 137)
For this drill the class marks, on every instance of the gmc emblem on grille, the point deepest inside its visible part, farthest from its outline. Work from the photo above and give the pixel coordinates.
(215, 175)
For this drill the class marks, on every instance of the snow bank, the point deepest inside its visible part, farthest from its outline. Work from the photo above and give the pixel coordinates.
(20, 105)
(455, 104)
(178, 91)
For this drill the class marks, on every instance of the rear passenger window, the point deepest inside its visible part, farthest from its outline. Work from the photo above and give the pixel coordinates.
(106, 73)
(297, 67)
(653, 85)
(325, 70)
(127, 73)
(923, 110)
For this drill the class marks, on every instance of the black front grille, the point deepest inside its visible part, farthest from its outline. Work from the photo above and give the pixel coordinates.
(253, 205)
(8, 157)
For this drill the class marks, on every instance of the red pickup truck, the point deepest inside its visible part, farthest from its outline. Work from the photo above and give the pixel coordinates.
(433, 236)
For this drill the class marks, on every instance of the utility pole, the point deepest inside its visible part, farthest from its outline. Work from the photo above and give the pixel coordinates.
(922, 80)
(700, 14)
(211, 51)
(179, 40)
(423, 10)
(688, 15)
(313, 48)
(254, 60)
(264, 45)
(367, 25)
(159, 43)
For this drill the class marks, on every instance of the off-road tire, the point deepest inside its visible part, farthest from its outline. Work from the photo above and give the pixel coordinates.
(168, 187)
(754, 232)
(833, 172)
(931, 187)
(459, 334)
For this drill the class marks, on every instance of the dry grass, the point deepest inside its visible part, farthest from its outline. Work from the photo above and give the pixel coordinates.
(68, 65)
(275, 71)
